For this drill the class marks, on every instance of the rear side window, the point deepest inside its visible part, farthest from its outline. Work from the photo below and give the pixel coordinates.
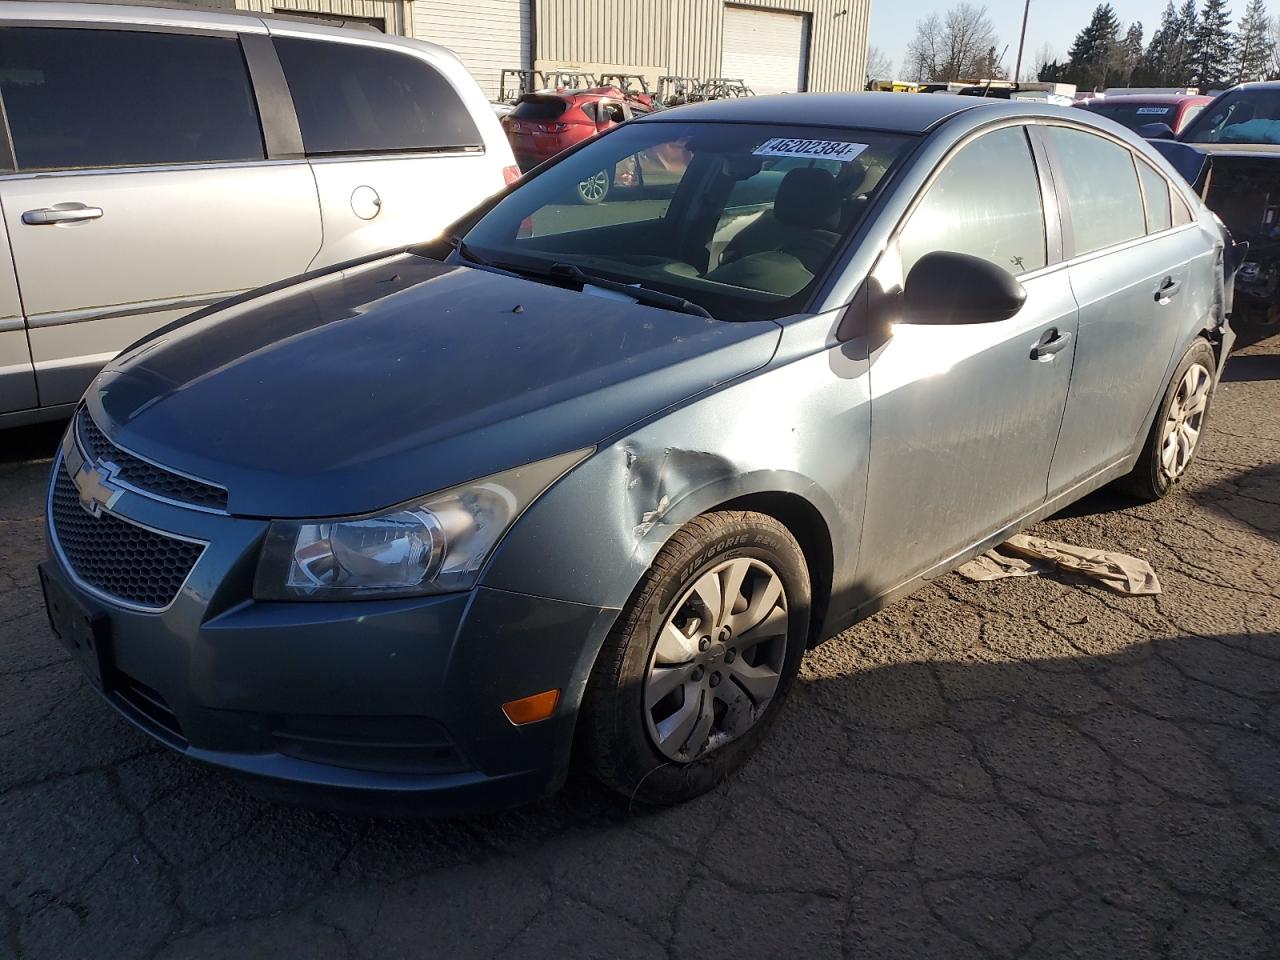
(1181, 212)
(1102, 189)
(985, 202)
(1156, 189)
(111, 98)
(357, 99)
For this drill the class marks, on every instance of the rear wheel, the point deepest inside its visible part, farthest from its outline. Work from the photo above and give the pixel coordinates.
(1179, 425)
(692, 676)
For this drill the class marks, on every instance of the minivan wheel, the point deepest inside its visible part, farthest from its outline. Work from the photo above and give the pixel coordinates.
(595, 188)
(1179, 426)
(694, 672)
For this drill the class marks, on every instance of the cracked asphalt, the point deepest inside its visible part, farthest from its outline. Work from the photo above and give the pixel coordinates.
(1025, 768)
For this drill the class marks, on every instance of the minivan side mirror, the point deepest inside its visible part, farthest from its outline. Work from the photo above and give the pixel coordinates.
(1155, 131)
(950, 288)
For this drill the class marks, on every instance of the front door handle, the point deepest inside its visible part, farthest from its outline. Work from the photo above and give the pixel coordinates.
(1049, 344)
(61, 213)
(1168, 289)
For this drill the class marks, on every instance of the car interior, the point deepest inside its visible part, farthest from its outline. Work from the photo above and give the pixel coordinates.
(754, 229)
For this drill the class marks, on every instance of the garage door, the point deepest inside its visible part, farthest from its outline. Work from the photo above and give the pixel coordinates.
(767, 49)
(487, 35)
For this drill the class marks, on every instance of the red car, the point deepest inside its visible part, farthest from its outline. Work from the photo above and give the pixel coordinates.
(542, 124)
(1135, 110)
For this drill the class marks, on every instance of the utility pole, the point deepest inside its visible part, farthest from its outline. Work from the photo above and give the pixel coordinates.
(1022, 38)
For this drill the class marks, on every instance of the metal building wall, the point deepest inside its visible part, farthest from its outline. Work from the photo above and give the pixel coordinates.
(394, 13)
(684, 37)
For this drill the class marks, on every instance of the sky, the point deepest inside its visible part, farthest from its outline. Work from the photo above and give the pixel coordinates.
(1051, 21)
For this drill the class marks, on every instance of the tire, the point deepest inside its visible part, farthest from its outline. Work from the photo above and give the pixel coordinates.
(1156, 472)
(594, 189)
(625, 714)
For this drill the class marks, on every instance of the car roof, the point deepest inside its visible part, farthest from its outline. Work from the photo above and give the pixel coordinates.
(890, 112)
(173, 13)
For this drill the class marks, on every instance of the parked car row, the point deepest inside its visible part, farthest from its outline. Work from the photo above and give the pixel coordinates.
(155, 162)
(580, 478)
(1230, 154)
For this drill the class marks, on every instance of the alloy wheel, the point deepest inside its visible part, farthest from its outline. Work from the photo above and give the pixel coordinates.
(1184, 421)
(593, 189)
(718, 659)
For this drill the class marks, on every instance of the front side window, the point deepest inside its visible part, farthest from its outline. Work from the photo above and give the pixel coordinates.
(112, 98)
(352, 98)
(742, 219)
(1102, 189)
(985, 202)
(1156, 190)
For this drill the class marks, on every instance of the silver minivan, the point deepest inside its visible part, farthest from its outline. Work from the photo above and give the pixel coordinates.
(155, 161)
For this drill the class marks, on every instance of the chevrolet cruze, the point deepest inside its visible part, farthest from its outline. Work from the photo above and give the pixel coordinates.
(583, 482)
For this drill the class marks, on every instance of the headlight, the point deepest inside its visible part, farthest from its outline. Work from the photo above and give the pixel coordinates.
(433, 545)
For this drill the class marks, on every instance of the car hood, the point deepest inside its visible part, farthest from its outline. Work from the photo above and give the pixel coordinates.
(369, 386)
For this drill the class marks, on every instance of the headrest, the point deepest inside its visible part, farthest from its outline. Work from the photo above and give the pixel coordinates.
(808, 197)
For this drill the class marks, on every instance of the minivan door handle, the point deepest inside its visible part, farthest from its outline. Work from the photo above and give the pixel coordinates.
(1167, 290)
(61, 213)
(1049, 344)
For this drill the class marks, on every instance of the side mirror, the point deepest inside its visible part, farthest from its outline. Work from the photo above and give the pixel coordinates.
(1155, 131)
(951, 288)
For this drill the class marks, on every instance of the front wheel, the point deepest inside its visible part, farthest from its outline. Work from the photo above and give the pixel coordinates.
(692, 676)
(1179, 425)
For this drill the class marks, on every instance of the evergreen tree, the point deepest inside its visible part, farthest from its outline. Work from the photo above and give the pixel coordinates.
(1211, 46)
(1251, 51)
(1095, 50)
(1153, 68)
(1182, 51)
(1130, 56)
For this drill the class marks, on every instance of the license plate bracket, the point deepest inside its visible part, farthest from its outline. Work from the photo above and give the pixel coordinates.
(83, 632)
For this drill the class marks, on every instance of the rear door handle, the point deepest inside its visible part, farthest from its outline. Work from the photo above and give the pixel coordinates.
(1168, 289)
(61, 213)
(1049, 344)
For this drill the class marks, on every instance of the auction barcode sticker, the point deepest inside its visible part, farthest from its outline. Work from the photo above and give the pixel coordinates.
(838, 150)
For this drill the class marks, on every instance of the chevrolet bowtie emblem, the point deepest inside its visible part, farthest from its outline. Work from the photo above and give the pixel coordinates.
(93, 481)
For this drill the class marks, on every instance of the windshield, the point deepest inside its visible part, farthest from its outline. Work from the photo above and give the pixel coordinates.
(1242, 116)
(741, 219)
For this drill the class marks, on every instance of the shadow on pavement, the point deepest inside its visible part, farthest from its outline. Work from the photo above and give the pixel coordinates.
(1252, 367)
(1108, 804)
(35, 442)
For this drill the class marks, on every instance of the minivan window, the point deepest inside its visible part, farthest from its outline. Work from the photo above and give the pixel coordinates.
(1102, 189)
(110, 98)
(1156, 189)
(986, 203)
(357, 99)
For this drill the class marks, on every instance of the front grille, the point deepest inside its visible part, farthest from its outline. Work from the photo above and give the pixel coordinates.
(144, 476)
(119, 558)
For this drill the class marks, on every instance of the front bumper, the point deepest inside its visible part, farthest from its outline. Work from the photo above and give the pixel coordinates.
(388, 705)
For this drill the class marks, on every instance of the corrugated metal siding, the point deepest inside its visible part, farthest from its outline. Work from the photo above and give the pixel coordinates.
(391, 12)
(686, 36)
(487, 35)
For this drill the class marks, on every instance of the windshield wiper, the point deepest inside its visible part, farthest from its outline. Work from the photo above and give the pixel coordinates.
(638, 292)
(466, 252)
